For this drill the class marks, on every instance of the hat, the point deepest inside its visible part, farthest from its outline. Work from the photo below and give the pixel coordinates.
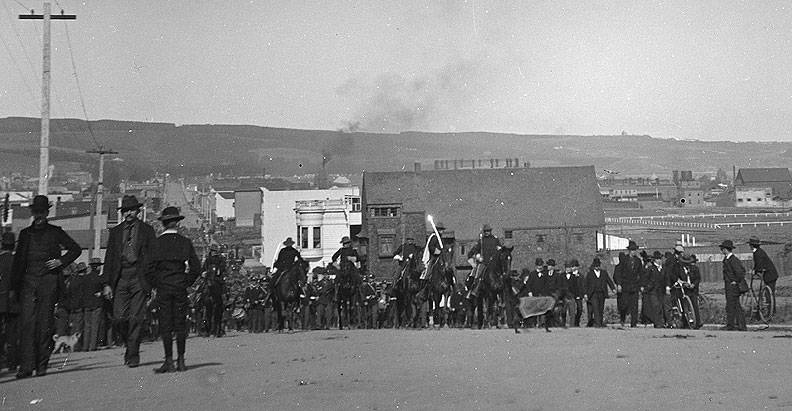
(409, 237)
(678, 247)
(345, 240)
(686, 259)
(657, 255)
(632, 245)
(575, 263)
(40, 203)
(129, 202)
(551, 262)
(693, 256)
(288, 242)
(539, 261)
(596, 262)
(486, 227)
(754, 241)
(727, 244)
(439, 225)
(95, 261)
(568, 263)
(8, 239)
(80, 267)
(170, 213)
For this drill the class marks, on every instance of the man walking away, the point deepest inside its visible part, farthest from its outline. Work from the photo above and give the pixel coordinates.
(168, 276)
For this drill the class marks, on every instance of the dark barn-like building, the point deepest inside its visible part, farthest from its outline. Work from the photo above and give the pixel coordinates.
(553, 212)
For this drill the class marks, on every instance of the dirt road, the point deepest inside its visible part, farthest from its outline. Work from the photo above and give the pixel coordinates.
(431, 369)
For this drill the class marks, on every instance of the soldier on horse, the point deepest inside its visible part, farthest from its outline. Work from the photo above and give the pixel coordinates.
(482, 255)
(288, 256)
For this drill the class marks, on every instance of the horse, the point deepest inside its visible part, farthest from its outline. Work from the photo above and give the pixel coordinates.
(285, 292)
(405, 286)
(347, 282)
(367, 309)
(492, 289)
(438, 288)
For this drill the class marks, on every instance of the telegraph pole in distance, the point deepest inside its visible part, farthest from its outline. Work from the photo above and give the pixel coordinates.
(99, 197)
(45, 92)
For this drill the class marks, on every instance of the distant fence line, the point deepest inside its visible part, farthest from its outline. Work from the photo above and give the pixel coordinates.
(685, 224)
(721, 215)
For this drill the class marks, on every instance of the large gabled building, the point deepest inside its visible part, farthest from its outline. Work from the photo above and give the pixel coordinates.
(551, 212)
(763, 187)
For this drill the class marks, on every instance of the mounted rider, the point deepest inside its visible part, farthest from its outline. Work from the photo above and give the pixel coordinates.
(346, 257)
(482, 255)
(406, 252)
(288, 256)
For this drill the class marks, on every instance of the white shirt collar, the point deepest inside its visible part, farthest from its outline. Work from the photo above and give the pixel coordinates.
(171, 231)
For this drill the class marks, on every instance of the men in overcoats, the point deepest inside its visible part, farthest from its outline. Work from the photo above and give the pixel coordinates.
(128, 246)
(654, 285)
(170, 278)
(36, 276)
(733, 275)
(214, 270)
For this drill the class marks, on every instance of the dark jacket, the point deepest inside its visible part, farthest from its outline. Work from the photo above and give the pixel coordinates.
(345, 252)
(215, 268)
(628, 273)
(733, 270)
(287, 257)
(569, 286)
(654, 280)
(763, 262)
(165, 269)
(115, 248)
(6, 262)
(487, 247)
(537, 283)
(54, 239)
(599, 285)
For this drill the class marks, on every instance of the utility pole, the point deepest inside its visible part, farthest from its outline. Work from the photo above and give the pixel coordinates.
(99, 197)
(45, 92)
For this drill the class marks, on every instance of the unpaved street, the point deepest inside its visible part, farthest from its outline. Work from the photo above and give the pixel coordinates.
(431, 369)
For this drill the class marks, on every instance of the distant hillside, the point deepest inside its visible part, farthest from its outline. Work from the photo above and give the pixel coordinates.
(238, 149)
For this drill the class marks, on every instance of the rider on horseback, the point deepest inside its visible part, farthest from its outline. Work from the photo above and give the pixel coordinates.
(346, 255)
(288, 256)
(435, 253)
(406, 251)
(481, 255)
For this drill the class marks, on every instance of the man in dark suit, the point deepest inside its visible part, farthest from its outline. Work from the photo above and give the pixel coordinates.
(763, 264)
(597, 283)
(168, 274)
(36, 277)
(128, 246)
(9, 306)
(627, 276)
(733, 275)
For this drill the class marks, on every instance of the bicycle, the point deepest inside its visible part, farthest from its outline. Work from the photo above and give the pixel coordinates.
(759, 301)
(683, 313)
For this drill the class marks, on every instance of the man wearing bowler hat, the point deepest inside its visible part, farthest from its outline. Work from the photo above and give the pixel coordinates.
(36, 275)
(627, 277)
(733, 275)
(170, 278)
(763, 264)
(128, 246)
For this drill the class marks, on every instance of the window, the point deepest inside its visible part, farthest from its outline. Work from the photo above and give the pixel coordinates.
(386, 248)
(387, 211)
(355, 202)
(508, 234)
(299, 230)
(462, 249)
(540, 238)
(739, 200)
(304, 237)
(317, 237)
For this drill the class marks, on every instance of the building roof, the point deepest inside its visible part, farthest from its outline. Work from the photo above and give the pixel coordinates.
(763, 175)
(505, 198)
(228, 195)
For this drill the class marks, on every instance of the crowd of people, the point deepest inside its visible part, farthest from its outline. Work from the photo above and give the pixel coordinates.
(155, 286)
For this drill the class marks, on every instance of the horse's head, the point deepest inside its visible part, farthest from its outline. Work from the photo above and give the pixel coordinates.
(500, 266)
(505, 258)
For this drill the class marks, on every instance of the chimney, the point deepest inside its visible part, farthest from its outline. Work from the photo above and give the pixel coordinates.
(417, 167)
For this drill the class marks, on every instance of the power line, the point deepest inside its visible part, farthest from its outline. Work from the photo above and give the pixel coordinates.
(22, 5)
(19, 38)
(19, 69)
(79, 90)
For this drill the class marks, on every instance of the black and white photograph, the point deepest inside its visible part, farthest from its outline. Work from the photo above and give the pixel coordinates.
(406, 205)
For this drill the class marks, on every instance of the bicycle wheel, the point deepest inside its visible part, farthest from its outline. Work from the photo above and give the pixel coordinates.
(766, 303)
(676, 316)
(746, 302)
(690, 314)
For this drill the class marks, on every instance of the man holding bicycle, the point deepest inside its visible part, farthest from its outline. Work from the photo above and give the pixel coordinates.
(763, 264)
(689, 278)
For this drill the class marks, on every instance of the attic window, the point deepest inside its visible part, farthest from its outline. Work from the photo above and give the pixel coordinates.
(386, 211)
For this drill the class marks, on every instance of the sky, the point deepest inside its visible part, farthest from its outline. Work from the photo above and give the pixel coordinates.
(708, 70)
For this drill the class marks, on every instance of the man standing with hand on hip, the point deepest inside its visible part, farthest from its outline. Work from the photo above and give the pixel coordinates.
(36, 274)
(128, 246)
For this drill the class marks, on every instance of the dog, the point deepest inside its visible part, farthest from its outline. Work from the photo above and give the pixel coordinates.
(64, 342)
